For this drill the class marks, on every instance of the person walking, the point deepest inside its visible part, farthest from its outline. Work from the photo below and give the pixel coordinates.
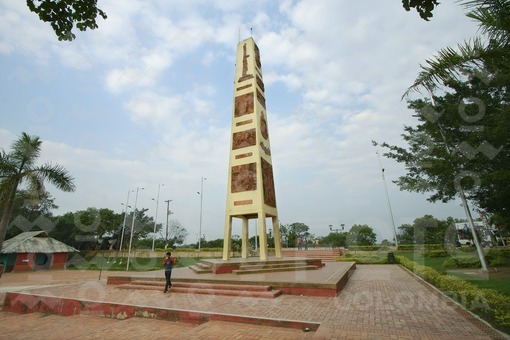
(168, 263)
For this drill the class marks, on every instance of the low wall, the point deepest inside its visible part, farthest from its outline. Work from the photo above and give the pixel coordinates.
(175, 253)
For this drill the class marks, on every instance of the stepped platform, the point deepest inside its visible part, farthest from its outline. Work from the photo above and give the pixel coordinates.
(253, 266)
(206, 288)
(324, 280)
(325, 254)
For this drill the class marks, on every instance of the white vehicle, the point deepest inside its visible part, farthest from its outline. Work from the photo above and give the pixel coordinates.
(488, 236)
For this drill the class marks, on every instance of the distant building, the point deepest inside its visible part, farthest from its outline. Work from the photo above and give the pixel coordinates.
(34, 250)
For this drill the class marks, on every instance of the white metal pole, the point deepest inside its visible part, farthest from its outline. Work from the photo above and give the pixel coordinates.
(168, 213)
(200, 225)
(124, 223)
(389, 207)
(132, 229)
(479, 248)
(156, 218)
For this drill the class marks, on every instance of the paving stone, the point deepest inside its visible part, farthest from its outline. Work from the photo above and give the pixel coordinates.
(378, 302)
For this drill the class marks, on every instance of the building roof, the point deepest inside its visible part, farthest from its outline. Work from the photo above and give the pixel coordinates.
(35, 242)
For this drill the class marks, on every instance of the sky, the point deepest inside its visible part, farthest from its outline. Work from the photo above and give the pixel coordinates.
(145, 101)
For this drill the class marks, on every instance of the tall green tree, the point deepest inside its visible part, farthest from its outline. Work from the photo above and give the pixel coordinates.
(429, 230)
(18, 167)
(64, 14)
(361, 235)
(65, 229)
(461, 143)
(31, 211)
(490, 48)
(406, 234)
(177, 233)
(334, 240)
(296, 230)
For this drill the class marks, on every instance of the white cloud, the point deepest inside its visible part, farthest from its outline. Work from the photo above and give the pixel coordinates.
(334, 72)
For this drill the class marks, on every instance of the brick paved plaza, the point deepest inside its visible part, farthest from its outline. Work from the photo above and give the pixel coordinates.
(378, 302)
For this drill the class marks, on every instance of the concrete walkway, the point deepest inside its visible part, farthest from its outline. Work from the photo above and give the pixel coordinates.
(378, 302)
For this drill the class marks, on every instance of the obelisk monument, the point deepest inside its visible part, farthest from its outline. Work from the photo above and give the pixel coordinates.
(250, 192)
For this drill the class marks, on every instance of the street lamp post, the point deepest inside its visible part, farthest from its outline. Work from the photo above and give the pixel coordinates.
(132, 229)
(124, 224)
(388, 200)
(168, 213)
(201, 193)
(336, 230)
(156, 218)
(123, 227)
(478, 246)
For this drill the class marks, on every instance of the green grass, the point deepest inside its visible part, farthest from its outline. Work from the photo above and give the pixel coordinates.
(138, 264)
(433, 262)
(497, 280)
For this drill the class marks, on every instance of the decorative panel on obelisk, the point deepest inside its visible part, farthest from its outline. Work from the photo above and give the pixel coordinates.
(250, 192)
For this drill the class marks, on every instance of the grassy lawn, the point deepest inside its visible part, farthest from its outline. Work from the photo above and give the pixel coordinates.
(496, 279)
(138, 264)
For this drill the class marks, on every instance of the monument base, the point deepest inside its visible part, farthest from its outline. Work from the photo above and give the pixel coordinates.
(327, 280)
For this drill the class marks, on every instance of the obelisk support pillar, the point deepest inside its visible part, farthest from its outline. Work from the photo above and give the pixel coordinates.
(262, 236)
(244, 238)
(277, 236)
(227, 238)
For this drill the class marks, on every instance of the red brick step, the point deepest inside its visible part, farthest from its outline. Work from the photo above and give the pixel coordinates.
(207, 288)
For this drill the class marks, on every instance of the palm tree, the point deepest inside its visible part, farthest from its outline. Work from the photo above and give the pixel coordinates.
(491, 48)
(19, 166)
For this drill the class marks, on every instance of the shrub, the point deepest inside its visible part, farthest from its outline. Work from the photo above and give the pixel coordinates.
(504, 252)
(498, 257)
(497, 261)
(467, 249)
(436, 253)
(422, 247)
(462, 262)
(365, 258)
(366, 248)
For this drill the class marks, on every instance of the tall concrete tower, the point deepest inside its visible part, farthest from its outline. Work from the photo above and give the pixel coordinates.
(250, 193)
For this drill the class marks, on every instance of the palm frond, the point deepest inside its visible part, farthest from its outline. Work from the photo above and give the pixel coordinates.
(447, 64)
(56, 175)
(26, 149)
(494, 19)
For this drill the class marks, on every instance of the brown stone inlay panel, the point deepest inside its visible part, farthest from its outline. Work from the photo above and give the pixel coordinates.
(268, 183)
(244, 202)
(260, 83)
(243, 139)
(257, 56)
(245, 75)
(243, 104)
(263, 126)
(244, 155)
(244, 122)
(244, 177)
(261, 99)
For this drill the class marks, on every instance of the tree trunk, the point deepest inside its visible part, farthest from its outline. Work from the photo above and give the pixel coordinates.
(6, 214)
